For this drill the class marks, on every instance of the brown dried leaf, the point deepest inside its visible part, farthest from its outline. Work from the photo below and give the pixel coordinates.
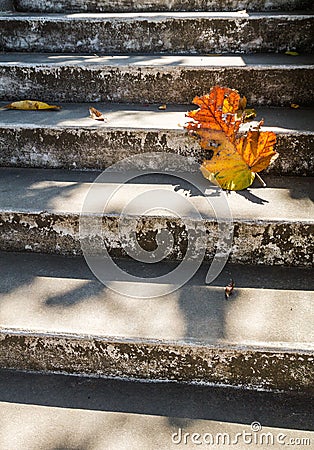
(97, 115)
(229, 289)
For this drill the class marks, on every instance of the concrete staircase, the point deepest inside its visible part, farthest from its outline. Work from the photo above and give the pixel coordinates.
(127, 58)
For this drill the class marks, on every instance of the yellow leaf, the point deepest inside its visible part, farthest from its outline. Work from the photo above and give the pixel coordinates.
(295, 105)
(30, 105)
(246, 114)
(233, 165)
(290, 53)
(162, 107)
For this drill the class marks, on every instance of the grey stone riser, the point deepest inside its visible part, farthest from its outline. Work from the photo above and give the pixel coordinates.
(82, 148)
(250, 368)
(263, 83)
(176, 33)
(254, 242)
(159, 5)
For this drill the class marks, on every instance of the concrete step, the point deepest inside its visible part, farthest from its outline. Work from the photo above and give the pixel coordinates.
(157, 32)
(263, 79)
(40, 212)
(56, 316)
(6, 5)
(49, 411)
(58, 6)
(70, 139)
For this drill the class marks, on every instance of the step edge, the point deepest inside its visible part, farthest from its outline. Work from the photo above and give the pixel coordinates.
(236, 220)
(277, 347)
(110, 129)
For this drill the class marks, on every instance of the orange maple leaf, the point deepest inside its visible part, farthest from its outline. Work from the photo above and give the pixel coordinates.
(236, 158)
(217, 111)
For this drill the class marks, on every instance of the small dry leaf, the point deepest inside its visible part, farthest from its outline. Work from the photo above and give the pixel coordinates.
(295, 105)
(290, 53)
(162, 107)
(229, 289)
(246, 114)
(96, 115)
(31, 105)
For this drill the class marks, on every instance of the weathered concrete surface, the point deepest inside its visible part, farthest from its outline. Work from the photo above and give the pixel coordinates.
(237, 366)
(70, 139)
(270, 308)
(59, 411)
(6, 5)
(160, 5)
(263, 79)
(157, 32)
(40, 212)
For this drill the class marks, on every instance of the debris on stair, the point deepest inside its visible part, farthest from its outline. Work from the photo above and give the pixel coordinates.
(97, 115)
(295, 106)
(236, 156)
(291, 53)
(246, 114)
(31, 105)
(162, 107)
(229, 289)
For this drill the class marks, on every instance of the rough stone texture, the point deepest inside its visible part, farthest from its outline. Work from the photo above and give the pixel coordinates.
(247, 367)
(160, 5)
(271, 226)
(296, 155)
(176, 33)
(280, 243)
(264, 81)
(6, 5)
(38, 144)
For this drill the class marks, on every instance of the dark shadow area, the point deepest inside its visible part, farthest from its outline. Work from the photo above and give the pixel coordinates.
(248, 195)
(299, 187)
(172, 400)
(75, 296)
(54, 266)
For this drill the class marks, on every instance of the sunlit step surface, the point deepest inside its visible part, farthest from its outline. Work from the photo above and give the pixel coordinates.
(55, 315)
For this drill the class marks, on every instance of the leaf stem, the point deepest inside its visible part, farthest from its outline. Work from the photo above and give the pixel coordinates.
(260, 179)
